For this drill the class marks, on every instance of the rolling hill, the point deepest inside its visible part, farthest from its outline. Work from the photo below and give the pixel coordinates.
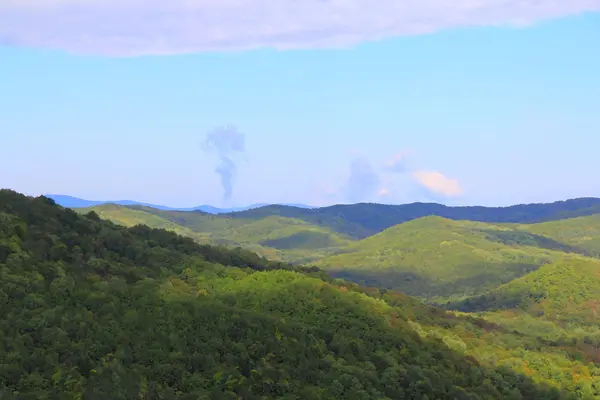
(432, 257)
(95, 310)
(362, 220)
(74, 202)
(563, 290)
(366, 219)
(437, 258)
(581, 232)
(558, 301)
(275, 237)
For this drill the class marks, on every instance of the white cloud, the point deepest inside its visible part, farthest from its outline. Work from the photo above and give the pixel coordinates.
(383, 192)
(137, 27)
(438, 183)
(397, 163)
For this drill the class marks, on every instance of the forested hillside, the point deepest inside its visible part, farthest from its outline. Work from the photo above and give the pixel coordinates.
(365, 219)
(275, 237)
(581, 232)
(558, 301)
(93, 310)
(435, 258)
(358, 221)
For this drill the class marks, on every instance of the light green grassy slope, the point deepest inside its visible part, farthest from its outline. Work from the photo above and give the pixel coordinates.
(437, 258)
(582, 232)
(130, 217)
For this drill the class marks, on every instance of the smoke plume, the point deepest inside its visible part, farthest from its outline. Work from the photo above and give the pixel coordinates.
(225, 141)
(363, 181)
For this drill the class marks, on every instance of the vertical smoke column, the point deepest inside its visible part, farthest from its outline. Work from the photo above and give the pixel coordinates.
(225, 141)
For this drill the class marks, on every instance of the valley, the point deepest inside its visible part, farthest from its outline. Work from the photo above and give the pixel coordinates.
(435, 258)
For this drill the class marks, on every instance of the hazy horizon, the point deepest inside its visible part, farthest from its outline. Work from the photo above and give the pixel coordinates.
(292, 204)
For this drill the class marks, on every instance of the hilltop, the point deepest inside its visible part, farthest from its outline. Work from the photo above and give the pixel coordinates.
(366, 219)
(362, 220)
(344, 222)
(581, 232)
(432, 257)
(95, 310)
(435, 257)
(75, 202)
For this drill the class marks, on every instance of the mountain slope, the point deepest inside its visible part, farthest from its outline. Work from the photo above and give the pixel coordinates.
(363, 220)
(581, 232)
(129, 217)
(94, 310)
(566, 290)
(275, 237)
(433, 257)
(558, 302)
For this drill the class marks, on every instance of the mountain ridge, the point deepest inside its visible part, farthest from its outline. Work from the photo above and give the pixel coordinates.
(75, 202)
(361, 220)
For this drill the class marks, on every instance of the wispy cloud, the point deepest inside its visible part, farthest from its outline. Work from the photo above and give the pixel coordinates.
(137, 27)
(383, 192)
(438, 183)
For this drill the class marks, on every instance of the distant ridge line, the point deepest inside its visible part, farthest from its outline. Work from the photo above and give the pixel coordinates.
(361, 220)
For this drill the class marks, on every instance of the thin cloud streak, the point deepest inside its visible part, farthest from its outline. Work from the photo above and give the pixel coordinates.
(136, 27)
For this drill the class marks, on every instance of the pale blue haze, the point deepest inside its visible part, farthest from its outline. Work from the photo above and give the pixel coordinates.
(512, 114)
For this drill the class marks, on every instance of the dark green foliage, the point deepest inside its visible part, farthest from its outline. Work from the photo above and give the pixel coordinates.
(365, 219)
(521, 238)
(90, 310)
(301, 240)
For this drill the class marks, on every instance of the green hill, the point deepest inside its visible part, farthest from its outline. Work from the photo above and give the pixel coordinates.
(366, 219)
(274, 237)
(94, 310)
(431, 257)
(581, 232)
(435, 258)
(127, 216)
(558, 302)
(567, 289)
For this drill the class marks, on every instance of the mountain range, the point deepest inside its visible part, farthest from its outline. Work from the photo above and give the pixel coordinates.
(93, 309)
(74, 202)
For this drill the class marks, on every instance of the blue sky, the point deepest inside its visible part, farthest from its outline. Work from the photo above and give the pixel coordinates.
(491, 115)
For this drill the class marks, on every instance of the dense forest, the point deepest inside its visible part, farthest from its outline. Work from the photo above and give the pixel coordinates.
(365, 219)
(92, 310)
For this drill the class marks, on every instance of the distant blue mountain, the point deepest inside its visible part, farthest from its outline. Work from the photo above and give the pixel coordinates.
(74, 202)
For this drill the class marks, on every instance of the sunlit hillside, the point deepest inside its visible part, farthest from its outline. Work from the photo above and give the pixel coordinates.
(435, 258)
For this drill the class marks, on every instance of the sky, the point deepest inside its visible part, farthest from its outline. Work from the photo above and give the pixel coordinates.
(235, 102)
